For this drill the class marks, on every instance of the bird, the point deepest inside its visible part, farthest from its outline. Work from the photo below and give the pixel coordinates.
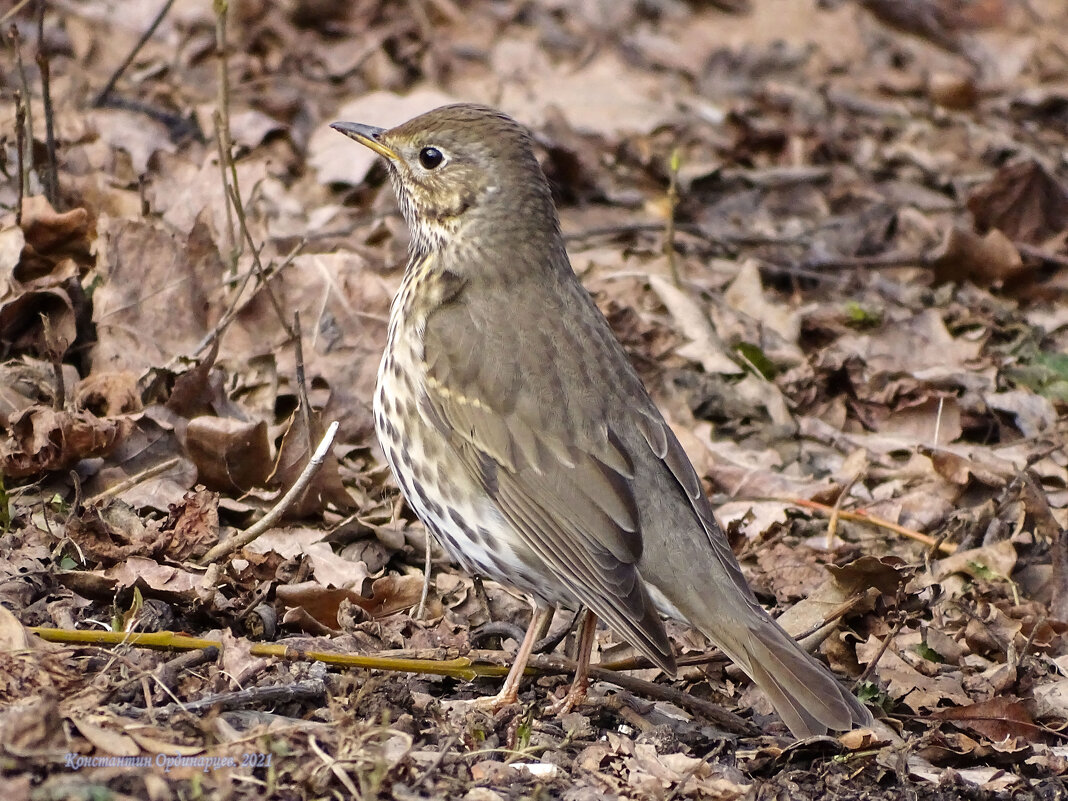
(521, 435)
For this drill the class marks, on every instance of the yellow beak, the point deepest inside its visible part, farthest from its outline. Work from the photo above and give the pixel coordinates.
(366, 135)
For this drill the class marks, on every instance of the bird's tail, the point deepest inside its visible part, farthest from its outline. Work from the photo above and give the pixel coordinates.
(808, 698)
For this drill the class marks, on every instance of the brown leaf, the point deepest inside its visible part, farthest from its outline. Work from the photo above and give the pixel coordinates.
(193, 525)
(230, 455)
(109, 393)
(41, 322)
(155, 580)
(43, 439)
(150, 442)
(54, 239)
(904, 682)
(997, 719)
(112, 534)
(161, 294)
(389, 594)
(1023, 201)
(984, 260)
(293, 455)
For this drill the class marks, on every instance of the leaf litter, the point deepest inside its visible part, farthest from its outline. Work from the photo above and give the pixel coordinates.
(868, 338)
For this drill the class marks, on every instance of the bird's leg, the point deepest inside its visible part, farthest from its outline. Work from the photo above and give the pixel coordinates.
(576, 694)
(509, 693)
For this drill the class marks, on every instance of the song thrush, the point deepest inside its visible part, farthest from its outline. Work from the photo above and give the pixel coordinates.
(523, 438)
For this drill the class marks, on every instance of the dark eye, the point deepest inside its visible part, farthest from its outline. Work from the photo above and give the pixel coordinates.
(431, 157)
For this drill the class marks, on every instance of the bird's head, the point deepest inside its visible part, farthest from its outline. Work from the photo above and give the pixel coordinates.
(461, 168)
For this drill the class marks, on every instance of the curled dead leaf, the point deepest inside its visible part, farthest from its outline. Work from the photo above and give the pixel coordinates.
(192, 525)
(293, 454)
(54, 240)
(230, 455)
(42, 439)
(112, 534)
(41, 322)
(109, 392)
(389, 594)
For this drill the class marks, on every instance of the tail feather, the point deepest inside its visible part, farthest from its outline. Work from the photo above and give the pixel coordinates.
(807, 697)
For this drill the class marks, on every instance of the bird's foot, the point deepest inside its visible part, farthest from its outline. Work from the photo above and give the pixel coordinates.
(495, 703)
(576, 697)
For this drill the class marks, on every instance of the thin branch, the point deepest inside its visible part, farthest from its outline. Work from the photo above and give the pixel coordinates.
(102, 96)
(276, 304)
(467, 668)
(227, 547)
(860, 516)
(134, 480)
(20, 151)
(51, 176)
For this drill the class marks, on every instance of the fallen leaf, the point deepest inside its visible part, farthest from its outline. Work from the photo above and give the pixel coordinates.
(43, 439)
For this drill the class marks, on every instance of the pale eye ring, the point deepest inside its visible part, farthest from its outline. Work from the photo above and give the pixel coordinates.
(431, 158)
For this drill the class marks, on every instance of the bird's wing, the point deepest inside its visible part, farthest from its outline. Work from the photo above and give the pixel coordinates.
(530, 413)
(669, 451)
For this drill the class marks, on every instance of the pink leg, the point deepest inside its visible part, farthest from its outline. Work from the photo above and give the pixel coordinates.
(576, 694)
(509, 693)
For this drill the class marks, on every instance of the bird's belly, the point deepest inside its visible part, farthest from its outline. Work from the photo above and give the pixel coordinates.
(437, 486)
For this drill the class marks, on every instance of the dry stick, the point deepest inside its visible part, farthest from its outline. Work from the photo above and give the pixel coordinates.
(463, 667)
(276, 694)
(98, 101)
(224, 157)
(20, 150)
(647, 689)
(864, 517)
(231, 312)
(134, 480)
(167, 674)
(836, 512)
(302, 384)
(226, 548)
(221, 118)
(13, 10)
(235, 199)
(52, 174)
(24, 87)
(669, 230)
(882, 650)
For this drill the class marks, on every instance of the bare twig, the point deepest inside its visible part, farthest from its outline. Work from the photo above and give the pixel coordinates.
(836, 512)
(15, 9)
(272, 694)
(302, 384)
(220, 327)
(20, 150)
(882, 650)
(134, 480)
(226, 548)
(860, 516)
(673, 203)
(102, 96)
(26, 165)
(51, 175)
(276, 304)
(225, 158)
(474, 665)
